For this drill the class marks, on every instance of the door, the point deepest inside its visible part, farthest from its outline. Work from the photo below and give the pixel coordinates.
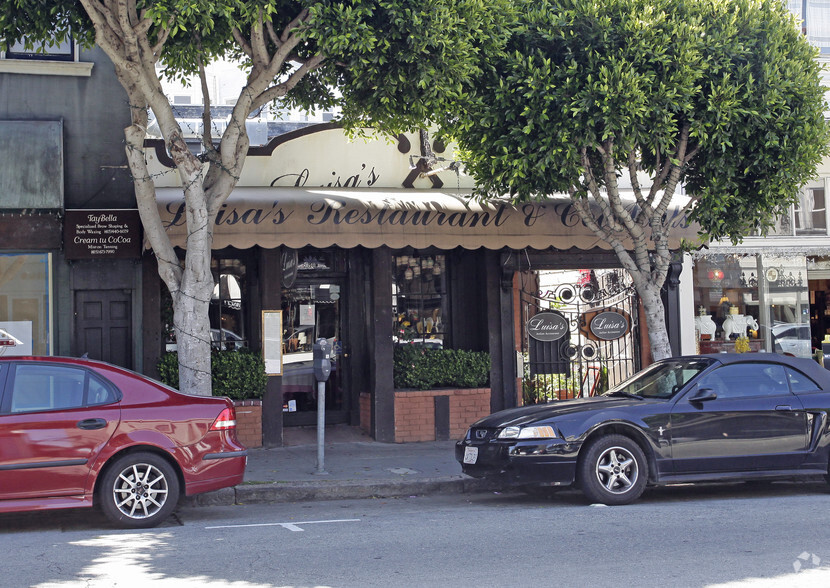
(753, 422)
(312, 310)
(103, 326)
(54, 420)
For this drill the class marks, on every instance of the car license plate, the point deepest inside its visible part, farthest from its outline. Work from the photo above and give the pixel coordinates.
(470, 454)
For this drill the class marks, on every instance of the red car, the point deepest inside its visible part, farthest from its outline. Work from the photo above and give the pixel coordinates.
(81, 433)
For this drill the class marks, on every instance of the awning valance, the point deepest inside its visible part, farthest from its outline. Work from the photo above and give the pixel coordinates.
(322, 217)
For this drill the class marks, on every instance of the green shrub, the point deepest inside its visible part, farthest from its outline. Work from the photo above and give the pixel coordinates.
(424, 369)
(239, 375)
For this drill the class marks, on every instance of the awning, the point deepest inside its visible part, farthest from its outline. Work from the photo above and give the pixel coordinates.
(322, 217)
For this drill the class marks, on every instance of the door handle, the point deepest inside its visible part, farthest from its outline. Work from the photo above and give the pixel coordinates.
(784, 407)
(92, 424)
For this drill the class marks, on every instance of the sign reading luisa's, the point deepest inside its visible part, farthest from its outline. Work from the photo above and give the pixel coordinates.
(547, 326)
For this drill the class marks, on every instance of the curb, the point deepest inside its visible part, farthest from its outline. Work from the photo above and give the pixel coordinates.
(277, 492)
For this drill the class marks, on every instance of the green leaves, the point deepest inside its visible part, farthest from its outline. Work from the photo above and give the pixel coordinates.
(424, 369)
(634, 73)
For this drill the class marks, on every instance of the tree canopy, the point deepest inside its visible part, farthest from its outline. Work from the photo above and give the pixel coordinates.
(390, 64)
(721, 97)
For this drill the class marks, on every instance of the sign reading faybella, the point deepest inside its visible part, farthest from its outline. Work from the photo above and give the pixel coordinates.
(296, 217)
(102, 234)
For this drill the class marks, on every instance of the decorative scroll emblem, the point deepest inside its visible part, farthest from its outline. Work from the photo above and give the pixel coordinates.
(547, 326)
(609, 325)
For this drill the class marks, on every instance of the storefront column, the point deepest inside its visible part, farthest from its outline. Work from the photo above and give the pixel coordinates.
(671, 306)
(499, 287)
(381, 356)
(270, 283)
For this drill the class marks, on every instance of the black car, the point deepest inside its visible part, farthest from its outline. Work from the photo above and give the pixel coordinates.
(718, 417)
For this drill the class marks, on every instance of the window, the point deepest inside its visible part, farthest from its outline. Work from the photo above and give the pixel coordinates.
(810, 213)
(25, 307)
(57, 51)
(419, 298)
(744, 380)
(227, 324)
(49, 387)
(815, 21)
(59, 58)
(800, 383)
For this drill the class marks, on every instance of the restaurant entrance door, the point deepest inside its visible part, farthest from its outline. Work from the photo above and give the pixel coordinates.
(312, 310)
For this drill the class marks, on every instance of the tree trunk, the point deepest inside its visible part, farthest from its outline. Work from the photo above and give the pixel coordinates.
(191, 320)
(658, 336)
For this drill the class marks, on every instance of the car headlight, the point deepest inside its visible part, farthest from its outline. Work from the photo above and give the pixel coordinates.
(542, 432)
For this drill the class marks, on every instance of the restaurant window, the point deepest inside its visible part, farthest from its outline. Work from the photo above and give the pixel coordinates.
(25, 304)
(227, 324)
(761, 297)
(419, 299)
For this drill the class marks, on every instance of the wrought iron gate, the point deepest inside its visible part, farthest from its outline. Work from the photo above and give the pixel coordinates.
(578, 338)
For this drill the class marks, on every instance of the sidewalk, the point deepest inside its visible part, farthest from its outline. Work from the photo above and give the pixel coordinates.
(355, 467)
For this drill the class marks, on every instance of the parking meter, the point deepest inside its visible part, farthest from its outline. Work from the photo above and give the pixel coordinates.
(322, 361)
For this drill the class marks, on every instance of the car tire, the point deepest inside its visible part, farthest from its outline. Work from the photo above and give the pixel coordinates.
(138, 490)
(613, 470)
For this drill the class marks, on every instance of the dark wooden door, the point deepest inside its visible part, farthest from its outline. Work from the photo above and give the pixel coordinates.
(103, 326)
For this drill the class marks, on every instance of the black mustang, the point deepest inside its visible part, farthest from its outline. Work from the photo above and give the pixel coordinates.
(697, 418)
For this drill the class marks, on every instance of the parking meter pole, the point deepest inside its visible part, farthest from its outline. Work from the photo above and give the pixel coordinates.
(321, 427)
(322, 369)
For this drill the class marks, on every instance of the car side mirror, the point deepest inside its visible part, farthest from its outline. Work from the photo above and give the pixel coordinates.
(703, 395)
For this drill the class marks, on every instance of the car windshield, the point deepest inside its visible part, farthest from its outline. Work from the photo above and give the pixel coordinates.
(661, 380)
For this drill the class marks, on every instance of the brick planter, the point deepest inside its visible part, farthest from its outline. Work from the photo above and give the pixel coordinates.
(430, 415)
(249, 422)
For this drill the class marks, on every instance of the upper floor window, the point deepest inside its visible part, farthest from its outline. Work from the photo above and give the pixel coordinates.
(815, 21)
(57, 51)
(811, 213)
(58, 58)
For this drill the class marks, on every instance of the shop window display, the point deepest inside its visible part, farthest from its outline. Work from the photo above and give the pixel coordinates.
(227, 325)
(419, 298)
(752, 303)
(25, 285)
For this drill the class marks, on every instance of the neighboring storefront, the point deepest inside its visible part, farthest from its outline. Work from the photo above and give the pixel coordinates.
(321, 229)
(772, 290)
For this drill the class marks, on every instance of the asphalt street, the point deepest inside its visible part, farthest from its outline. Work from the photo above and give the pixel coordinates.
(741, 535)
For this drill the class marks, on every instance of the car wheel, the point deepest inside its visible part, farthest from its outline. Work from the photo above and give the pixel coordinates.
(139, 490)
(613, 470)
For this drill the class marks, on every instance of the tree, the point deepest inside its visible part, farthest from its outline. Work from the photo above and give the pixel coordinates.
(721, 96)
(391, 64)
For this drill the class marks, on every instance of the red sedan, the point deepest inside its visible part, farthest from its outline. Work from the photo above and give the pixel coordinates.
(82, 433)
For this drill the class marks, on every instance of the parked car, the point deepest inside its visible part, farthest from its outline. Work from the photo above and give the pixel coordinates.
(689, 419)
(83, 433)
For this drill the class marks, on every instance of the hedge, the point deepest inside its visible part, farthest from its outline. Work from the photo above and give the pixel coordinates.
(424, 368)
(239, 374)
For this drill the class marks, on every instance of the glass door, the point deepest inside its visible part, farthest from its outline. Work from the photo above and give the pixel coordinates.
(312, 310)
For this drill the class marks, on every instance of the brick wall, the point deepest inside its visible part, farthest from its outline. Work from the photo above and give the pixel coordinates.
(249, 422)
(415, 412)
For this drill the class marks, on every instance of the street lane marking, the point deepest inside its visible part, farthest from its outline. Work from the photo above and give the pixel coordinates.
(290, 526)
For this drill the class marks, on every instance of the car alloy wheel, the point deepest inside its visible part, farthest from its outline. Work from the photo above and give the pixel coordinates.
(139, 490)
(617, 470)
(613, 470)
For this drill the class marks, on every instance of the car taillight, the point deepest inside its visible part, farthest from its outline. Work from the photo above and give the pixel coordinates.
(226, 420)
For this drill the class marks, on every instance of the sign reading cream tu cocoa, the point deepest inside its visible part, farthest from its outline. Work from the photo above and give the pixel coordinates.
(102, 234)
(609, 325)
(547, 326)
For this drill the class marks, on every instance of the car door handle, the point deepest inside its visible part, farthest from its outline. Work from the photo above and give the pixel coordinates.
(92, 424)
(784, 407)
